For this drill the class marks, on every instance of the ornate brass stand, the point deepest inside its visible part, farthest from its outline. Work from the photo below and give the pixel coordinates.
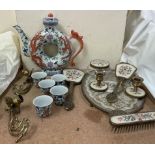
(16, 127)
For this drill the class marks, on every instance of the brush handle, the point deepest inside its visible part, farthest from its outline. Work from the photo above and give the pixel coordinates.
(69, 105)
(135, 118)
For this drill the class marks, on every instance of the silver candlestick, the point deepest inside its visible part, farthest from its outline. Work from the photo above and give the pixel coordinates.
(99, 66)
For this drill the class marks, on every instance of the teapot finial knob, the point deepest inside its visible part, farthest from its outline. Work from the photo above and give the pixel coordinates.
(50, 20)
(50, 14)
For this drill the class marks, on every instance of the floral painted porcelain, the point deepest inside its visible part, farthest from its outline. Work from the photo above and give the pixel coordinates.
(133, 118)
(50, 36)
(99, 64)
(73, 75)
(43, 105)
(59, 94)
(125, 70)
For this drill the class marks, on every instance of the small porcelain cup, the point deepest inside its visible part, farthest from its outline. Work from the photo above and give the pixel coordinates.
(45, 85)
(43, 105)
(59, 79)
(38, 76)
(59, 94)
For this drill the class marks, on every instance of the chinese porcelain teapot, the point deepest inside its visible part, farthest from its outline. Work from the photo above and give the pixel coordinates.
(43, 40)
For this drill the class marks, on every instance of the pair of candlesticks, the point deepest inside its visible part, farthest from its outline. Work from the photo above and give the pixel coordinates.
(123, 71)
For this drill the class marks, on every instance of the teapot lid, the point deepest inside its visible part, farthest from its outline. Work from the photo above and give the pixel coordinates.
(50, 20)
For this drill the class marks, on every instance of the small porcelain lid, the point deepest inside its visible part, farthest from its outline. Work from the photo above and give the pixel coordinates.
(50, 20)
(99, 64)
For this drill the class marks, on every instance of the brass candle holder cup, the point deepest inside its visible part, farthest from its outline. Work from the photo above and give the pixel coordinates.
(137, 82)
(135, 90)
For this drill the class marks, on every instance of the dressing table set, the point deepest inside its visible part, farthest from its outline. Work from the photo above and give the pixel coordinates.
(112, 91)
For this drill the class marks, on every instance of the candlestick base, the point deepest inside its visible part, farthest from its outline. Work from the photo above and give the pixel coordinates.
(95, 87)
(138, 94)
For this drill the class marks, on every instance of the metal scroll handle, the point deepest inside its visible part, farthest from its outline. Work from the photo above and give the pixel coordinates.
(75, 35)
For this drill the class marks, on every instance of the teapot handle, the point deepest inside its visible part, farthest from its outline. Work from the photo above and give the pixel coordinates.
(75, 35)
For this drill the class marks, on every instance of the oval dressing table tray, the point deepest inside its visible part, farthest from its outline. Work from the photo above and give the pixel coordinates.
(98, 99)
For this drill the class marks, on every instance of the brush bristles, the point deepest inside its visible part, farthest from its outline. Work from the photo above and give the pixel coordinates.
(133, 127)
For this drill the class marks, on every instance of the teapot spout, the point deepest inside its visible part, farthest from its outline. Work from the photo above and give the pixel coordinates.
(24, 39)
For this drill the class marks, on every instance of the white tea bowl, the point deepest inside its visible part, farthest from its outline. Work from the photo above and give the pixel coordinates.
(59, 93)
(38, 76)
(59, 79)
(43, 105)
(45, 85)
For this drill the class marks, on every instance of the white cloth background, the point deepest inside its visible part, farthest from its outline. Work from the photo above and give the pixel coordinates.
(9, 60)
(139, 45)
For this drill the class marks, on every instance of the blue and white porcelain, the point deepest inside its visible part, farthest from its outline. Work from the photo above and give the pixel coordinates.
(53, 71)
(43, 105)
(45, 85)
(37, 77)
(59, 94)
(34, 48)
(59, 79)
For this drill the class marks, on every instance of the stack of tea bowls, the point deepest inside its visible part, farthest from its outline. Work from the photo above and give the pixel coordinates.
(54, 90)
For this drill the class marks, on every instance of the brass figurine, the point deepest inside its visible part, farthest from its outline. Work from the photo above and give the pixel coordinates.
(14, 103)
(26, 85)
(16, 127)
